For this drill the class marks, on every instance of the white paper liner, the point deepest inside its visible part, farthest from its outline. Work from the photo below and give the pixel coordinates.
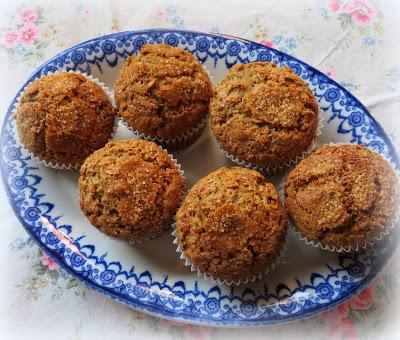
(287, 164)
(371, 237)
(193, 268)
(61, 166)
(181, 172)
(178, 142)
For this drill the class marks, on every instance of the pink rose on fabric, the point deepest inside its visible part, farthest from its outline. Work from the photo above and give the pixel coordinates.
(363, 12)
(48, 262)
(28, 34)
(189, 331)
(267, 43)
(348, 7)
(161, 14)
(364, 299)
(334, 5)
(9, 38)
(28, 15)
(337, 313)
(330, 72)
(196, 332)
(343, 330)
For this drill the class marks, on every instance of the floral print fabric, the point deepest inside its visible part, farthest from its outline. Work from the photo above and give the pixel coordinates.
(353, 41)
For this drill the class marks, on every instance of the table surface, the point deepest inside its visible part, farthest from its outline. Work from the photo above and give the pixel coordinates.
(356, 42)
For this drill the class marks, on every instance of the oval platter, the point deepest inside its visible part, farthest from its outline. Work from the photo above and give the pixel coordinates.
(149, 276)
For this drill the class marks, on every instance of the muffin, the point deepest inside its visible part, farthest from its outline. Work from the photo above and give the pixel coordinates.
(62, 118)
(342, 196)
(263, 115)
(163, 94)
(231, 226)
(130, 189)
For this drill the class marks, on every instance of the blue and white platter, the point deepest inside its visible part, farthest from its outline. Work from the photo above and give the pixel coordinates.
(149, 276)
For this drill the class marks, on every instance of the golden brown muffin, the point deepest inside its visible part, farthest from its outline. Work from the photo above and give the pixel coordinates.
(341, 195)
(130, 189)
(231, 225)
(163, 91)
(263, 114)
(63, 118)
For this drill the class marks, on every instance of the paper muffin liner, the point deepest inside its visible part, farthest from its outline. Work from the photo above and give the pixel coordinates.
(372, 237)
(179, 142)
(285, 165)
(176, 143)
(144, 239)
(55, 165)
(279, 259)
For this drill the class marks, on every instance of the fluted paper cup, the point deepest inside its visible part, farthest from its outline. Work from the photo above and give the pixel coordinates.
(55, 165)
(277, 169)
(193, 268)
(178, 142)
(371, 238)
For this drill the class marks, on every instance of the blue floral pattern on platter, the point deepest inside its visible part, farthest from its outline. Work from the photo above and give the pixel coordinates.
(242, 306)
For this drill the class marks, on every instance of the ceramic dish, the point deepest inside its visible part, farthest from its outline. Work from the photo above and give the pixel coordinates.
(149, 276)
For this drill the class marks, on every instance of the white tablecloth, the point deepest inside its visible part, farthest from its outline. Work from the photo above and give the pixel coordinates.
(357, 42)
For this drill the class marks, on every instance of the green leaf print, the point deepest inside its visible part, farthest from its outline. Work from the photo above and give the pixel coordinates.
(345, 20)
(72, 283)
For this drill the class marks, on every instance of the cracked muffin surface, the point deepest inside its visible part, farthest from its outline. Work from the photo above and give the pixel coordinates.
(341, 194)
(163, 91)
(231, 224)
(130, 189)
(263, 114)
(63, 118)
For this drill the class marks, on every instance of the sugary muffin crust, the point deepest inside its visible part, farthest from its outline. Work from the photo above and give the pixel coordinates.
(263, 114)
(130, 189)
(63, 118)
(340, 194)
(163, 91)
(231, 225)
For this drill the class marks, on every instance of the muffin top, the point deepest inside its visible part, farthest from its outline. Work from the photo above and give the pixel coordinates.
(63, 118)
(130, 189)
(231, 224)
(339, 194)
(263, 114)
(163, 91)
